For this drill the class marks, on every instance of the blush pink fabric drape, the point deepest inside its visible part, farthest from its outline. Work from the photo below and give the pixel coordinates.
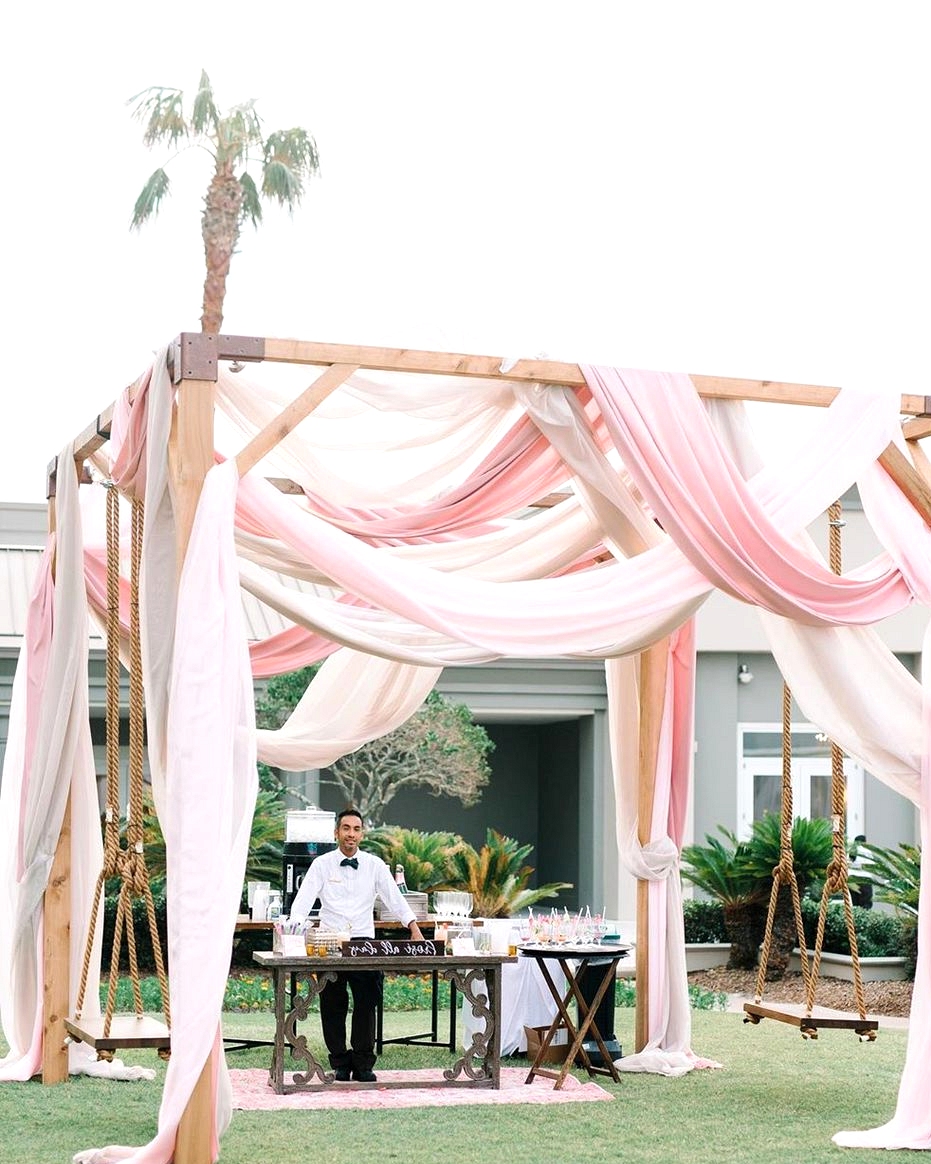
(718, 530)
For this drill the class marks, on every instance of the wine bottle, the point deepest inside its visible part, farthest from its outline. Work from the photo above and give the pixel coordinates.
(399, 878)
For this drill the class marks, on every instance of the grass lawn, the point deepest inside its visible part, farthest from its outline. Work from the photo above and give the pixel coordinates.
(777, 1101)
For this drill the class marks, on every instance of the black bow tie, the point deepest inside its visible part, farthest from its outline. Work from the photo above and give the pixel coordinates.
(353, 861)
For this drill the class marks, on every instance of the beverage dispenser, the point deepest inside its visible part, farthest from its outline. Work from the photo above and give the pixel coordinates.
(308, 833)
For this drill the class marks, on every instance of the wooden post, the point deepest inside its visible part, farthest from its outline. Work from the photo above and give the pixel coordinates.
(56, 989)
(651, 692)
(56, 906)
(191, 456)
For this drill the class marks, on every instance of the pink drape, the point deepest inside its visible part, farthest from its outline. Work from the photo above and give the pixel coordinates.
(721, 530)
(742, 536)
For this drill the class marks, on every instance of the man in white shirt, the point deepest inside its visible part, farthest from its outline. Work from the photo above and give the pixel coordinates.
(347, 881)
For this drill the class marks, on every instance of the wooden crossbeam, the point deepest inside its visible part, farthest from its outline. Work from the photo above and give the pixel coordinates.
(536, 371)
(231, 348)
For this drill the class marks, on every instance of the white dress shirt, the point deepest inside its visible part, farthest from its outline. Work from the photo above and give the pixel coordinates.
(347, 895)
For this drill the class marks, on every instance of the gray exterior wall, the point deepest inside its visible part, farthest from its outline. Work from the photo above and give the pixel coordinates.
(551, 775)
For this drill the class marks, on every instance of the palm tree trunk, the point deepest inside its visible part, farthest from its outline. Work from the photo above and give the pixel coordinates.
(742, 924)
(220, 231)
(785, 936)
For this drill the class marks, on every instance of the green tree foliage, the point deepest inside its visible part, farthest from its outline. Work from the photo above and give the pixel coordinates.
(234, 139)
(896, 875)
(812, 849)
(438, 749)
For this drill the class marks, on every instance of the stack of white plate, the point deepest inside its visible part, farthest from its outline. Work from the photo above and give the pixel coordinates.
(417, 902)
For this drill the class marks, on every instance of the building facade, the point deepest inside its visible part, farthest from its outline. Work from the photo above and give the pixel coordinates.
(551, 783)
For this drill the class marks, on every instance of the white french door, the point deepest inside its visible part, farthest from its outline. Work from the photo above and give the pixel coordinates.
(759, 790)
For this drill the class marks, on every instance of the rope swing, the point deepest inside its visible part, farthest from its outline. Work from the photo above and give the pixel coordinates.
(835, 881)
(125, 862)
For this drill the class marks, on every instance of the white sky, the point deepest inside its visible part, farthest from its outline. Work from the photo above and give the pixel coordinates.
(736, 188)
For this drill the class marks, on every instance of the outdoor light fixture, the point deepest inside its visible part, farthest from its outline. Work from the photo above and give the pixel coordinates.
(744, 674)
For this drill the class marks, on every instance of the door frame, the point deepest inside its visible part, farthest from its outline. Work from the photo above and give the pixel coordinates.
(803, 768)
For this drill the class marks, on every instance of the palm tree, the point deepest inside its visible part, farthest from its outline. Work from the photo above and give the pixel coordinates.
(234, 139)
(811, 852)
(720, 869)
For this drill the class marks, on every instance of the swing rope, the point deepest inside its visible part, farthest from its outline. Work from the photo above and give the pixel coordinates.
(784, 872)
(835, 876)
(125, 863)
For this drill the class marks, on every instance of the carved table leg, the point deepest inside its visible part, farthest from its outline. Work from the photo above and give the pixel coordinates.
(481, 1059)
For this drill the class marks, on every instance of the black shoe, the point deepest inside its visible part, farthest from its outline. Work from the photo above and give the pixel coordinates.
(342, 1075)
(365, 1076)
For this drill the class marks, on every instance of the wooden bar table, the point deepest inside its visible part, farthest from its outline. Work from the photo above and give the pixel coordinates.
(575, 961)
(476, 976)
(431, 1038)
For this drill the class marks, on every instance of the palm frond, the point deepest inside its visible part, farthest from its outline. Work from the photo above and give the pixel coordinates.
(161, 111)
(721, 869)
(149, 200)
(282, 183)
(251, 203)
(426, 857)
(240, 129)
(497, 877)
(896, 874)
(811, 847)
(295, 147)
(204, 115)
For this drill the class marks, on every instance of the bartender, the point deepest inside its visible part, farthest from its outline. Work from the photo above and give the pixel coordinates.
(346, 881)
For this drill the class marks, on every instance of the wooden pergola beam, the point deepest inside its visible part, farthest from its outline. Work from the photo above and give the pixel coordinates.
(195, 356)
(194, 361)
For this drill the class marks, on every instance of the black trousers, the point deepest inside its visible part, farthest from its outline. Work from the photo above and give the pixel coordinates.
(366, 988)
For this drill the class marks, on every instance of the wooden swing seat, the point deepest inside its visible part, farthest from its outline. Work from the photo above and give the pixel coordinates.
(794, 1014)
(126, 1030)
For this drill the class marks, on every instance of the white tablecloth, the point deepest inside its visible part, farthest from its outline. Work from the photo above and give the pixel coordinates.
(526, 1001)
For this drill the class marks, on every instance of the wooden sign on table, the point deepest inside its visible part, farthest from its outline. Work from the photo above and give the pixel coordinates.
(391, 948)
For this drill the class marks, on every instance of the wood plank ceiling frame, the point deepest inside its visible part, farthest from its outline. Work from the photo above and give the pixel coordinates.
(194, 361)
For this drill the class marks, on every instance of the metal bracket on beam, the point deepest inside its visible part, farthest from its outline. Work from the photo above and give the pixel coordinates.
(193, 356)
(249, 349)
(926, 413)
(104, 430)
(51, 479)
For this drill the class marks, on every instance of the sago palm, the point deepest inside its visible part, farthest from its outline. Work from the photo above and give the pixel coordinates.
(427, 857)
(811, 852)
(720, 869)
(497, 877)
(235, 140)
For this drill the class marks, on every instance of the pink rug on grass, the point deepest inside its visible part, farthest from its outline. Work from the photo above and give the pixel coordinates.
(251, 1092)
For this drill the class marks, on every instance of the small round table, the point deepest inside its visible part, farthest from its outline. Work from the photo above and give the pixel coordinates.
(575, 961)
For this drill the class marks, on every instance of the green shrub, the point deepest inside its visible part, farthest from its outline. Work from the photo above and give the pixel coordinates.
(896, 875)
(144, 952)
(704, 921)
(879, 934)
(625, 995)
(247, 992)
